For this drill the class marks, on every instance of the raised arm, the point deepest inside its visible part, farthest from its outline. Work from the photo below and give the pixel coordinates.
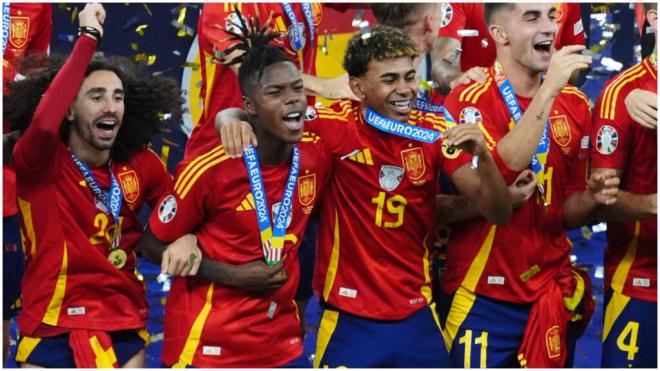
(43, 131)
(519, 145)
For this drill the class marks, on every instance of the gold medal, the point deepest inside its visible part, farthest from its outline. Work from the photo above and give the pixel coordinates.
(118, 258)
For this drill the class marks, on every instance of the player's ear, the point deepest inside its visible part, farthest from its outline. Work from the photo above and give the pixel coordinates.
(652, 17)
(249, 106)
(498, 33)
(69, 114)
(356, 86)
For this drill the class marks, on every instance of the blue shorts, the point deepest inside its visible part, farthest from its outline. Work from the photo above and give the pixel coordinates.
(55, 351)
(300, 362)
(482, 332)
(351, 341)
(13, 263)
(630, 332)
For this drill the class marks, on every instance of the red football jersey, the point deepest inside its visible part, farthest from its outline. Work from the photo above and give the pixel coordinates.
(571, 29)
(378, 215)
(513, 262)
(220, 87)
(210, 325)
(69, 282)
(479, 50)
(620, 143)
(29, 32)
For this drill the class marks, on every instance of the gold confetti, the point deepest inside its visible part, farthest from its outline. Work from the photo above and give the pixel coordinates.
(140, 29)
(140, 57)
(180, 20)
(151, 60)
(194, 66)
(134, 46)
(74, 14)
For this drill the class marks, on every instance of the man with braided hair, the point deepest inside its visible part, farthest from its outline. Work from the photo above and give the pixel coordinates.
(83, 173)
(377, 215)
(240, 311)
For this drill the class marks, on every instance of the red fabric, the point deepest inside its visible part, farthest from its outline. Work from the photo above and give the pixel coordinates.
(635, 154)
(220, 87)
(571, 29)
(544, 339)
(237, 323)
(61, 217)
(9, 205)
(538, 237)
(83, 354)
(29, 32)
(382, 248)
(469, 16)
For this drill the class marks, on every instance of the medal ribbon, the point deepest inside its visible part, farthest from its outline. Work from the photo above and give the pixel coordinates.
(426, 106)
(114, 204)
(6, 19)
(541, 156)
(297, 41)
(399, 128)
(272, 238)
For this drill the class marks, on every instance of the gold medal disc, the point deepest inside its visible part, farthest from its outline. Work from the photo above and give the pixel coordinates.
(117, 258)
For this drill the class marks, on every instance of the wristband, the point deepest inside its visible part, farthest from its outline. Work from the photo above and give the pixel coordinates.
(90, 31)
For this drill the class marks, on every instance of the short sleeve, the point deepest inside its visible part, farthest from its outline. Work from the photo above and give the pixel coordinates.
(158, 180)
(571, 28)
(611, 131)
(454, 20)
(180, 210)
(477, 113)
(41, 40)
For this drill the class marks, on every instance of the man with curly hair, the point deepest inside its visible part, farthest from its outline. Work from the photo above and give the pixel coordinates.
(83, 173)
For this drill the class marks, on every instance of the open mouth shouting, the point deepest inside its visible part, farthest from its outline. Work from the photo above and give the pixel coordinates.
(105, 128)
(294, 120)
(544, 48)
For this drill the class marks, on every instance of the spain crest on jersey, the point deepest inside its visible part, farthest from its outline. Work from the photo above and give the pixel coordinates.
(130, 185)
(19, 28)
(553, 342)
(607, 140)
(307, 189)
(561, 132)
(413, 162)
(390, 177)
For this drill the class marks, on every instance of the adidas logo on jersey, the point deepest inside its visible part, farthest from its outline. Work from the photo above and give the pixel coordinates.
(247, 204)
(361, 157)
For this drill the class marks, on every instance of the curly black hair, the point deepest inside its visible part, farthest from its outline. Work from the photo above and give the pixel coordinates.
(147, 100)
(379, 43)
(259, 53)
